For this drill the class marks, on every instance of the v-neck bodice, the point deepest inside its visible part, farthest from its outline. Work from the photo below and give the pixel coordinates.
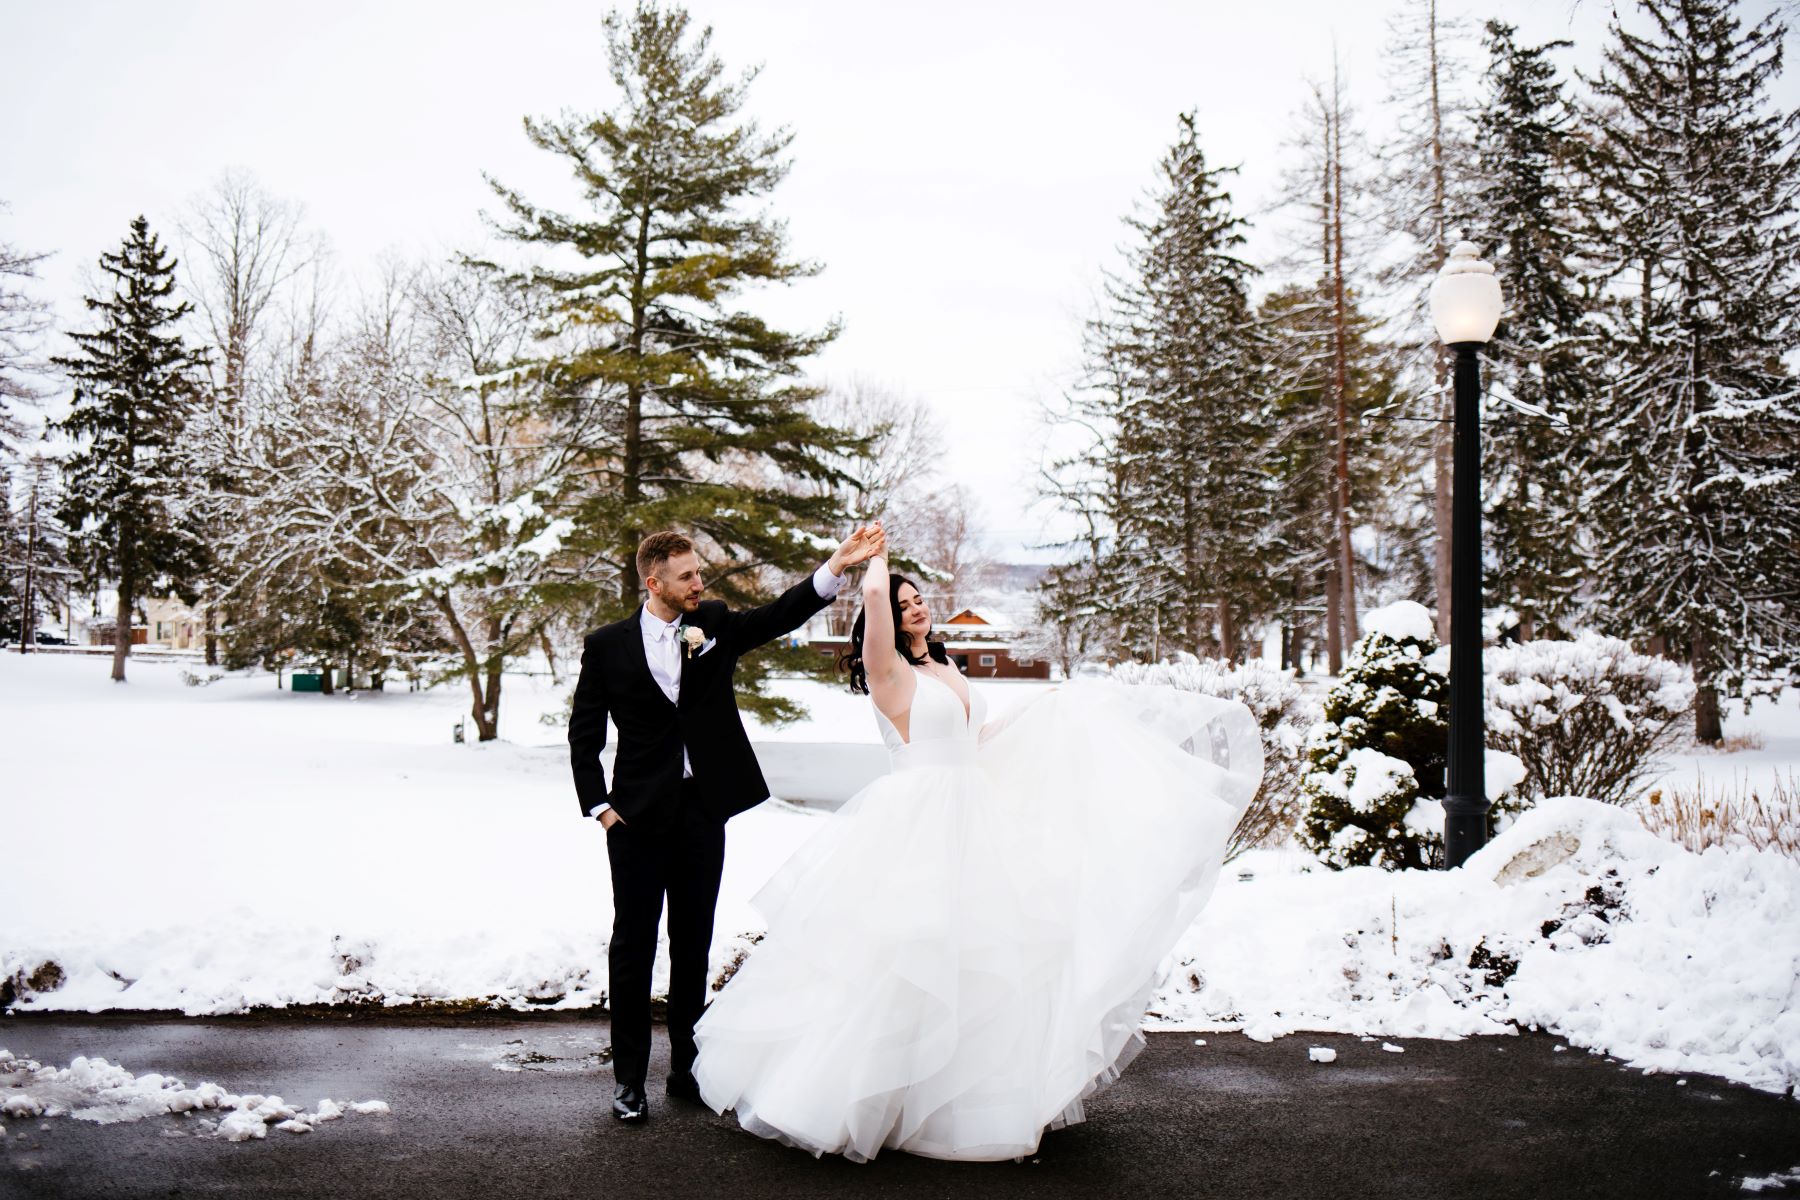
(937, 716)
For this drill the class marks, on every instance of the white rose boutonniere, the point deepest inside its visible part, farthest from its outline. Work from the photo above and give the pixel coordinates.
(693, 637)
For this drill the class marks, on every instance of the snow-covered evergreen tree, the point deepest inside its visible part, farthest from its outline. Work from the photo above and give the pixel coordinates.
(1084, 609)
(703, 421)
(34, 549)
(1303, 554)
(1189, 428)
(1521, 216)
(1696, 494)
(130, 491)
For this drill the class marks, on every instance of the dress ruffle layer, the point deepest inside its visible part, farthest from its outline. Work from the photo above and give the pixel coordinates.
(964, 952)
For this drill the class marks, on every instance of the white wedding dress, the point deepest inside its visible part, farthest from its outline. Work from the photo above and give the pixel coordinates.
(963, 953)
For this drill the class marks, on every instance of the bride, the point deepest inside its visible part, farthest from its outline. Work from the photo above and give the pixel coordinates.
(963, 953)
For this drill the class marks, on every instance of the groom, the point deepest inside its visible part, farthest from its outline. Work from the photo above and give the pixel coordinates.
(683, 768)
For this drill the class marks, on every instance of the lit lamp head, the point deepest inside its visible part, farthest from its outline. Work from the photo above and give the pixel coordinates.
(1465, 297)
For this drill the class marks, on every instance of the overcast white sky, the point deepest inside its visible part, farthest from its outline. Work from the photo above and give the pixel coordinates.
(960, 168)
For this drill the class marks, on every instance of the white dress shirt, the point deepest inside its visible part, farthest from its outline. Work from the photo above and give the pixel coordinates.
(663, 650)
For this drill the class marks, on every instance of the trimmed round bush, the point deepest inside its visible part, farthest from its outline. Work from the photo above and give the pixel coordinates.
(1586, 717)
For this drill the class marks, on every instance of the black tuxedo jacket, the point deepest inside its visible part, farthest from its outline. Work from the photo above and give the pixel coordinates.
(615, 679)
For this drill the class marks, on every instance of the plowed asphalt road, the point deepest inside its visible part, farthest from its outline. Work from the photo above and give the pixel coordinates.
(1509, 1116)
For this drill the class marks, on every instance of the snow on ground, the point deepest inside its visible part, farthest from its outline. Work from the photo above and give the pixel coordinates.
(211, 849)
(1772, 729)
(92, 1089)
(1574, 920)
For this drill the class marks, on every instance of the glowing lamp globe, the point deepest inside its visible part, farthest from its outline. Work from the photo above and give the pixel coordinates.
(1465, 297)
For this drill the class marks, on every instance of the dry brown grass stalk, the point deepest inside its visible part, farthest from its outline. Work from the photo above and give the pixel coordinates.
(1727, 814)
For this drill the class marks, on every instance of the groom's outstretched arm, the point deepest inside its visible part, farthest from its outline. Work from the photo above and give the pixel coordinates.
(587, 731)
(744, 631)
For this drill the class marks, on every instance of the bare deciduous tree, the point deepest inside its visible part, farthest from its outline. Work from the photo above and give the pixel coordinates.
(23, 317)
(245, 246)
(905, 441)
(942, 530)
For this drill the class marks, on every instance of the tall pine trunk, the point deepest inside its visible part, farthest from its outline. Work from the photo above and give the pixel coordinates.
(629, 583)
(1334, 626)
(122, 632)
(1340, 366)
(1443, 441)
(1708, 725)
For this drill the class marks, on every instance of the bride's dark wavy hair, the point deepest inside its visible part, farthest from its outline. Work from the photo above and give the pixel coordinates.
(853, 659)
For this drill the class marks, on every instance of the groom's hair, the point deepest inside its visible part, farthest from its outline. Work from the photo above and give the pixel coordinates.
(658, 549)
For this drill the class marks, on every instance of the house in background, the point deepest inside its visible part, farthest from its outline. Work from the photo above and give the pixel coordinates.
(161, 622)
(981, 643)
(978, 642)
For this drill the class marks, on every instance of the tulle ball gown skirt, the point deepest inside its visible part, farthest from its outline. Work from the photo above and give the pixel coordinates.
(964, 952)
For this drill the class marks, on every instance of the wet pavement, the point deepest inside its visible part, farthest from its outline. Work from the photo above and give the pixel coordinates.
(486, 1106)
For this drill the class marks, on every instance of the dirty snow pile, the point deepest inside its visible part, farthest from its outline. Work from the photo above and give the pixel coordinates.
(1575, 920)
(92, 1089)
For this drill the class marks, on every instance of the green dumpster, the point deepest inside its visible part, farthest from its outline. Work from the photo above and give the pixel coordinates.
(308, 681)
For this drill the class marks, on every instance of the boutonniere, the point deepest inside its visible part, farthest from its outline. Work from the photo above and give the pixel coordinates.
(692, 637)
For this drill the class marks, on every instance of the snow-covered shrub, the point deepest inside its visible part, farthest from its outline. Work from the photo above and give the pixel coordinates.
(1283, 713)
(1586, 717)
(1386, 809)
(1375, 765)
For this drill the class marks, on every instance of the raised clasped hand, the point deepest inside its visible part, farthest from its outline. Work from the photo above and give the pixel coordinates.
(861, 545)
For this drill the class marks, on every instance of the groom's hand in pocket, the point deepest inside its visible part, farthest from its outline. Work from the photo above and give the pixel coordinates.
(611, 817)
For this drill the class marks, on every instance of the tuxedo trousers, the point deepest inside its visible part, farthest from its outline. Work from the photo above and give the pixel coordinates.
(681, 860)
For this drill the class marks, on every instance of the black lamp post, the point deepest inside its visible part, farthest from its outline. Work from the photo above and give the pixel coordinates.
(1465, 306)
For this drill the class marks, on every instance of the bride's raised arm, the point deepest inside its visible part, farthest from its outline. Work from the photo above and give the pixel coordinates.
(881, 659)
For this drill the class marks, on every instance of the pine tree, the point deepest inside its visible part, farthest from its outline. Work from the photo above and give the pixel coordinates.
(1696, 495)
(34, 553)
(1189, 426)
(1082, 609)
(1303, 460)
(1524, 202)
(706, 424)
(130, 493)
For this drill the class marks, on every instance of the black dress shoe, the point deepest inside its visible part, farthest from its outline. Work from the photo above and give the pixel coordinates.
(683, 1087)
(629, 1103)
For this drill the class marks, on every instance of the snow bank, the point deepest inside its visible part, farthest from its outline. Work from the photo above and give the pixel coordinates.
(1574, 920)
(92, 1089)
